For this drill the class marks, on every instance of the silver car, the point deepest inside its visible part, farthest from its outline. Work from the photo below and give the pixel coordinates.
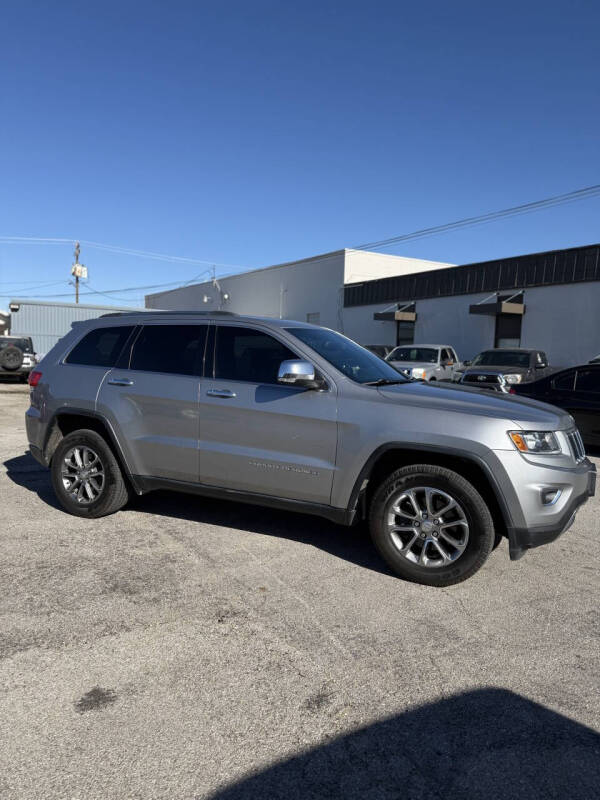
(299, 417)
(426, 362)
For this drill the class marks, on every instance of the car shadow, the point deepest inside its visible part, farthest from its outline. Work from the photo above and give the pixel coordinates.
(350, 544)
(484, 744)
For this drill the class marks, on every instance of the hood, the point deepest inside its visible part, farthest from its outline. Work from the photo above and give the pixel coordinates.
(497, 370)
(411, 364)
(452, 397)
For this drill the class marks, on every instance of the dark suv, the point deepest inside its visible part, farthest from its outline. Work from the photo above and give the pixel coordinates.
(291, 415)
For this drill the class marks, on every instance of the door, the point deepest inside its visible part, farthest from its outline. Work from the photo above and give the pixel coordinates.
(152, 401)
(586, 403)
(257, 435)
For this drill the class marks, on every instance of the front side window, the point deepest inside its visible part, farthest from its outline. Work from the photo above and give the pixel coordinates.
(346, 356)
(175, 349)
(245, 354)
(564, 382)
(429, 355)
(100, 347)
(588, 380)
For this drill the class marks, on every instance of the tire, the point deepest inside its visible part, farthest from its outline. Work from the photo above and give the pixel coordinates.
(11, 358)
(104, 476)
(431, 380)
(469, 524)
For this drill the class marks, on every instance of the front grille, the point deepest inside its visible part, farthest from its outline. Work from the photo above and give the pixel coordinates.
(482, 378)
(576, 445)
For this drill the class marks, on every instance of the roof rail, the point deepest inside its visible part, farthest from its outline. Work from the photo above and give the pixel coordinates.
(152, 312)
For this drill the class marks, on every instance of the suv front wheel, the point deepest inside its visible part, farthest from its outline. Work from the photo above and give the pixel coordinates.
(86, 476)
(431, 525)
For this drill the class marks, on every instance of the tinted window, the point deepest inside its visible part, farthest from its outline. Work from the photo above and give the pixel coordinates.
(23, 344)
(502, 358)
(564, 382)
(244, 354)
(445, 356)
(177, 349)
(100, 347)
(588, 380)
(350, 358)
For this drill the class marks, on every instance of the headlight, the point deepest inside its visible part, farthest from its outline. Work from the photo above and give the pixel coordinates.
(418, 373)
(535, 441)
(513, 378)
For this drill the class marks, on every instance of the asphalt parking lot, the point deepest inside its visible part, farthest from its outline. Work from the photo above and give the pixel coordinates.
(187, 648)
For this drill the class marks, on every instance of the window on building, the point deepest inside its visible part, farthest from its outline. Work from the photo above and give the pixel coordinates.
(175, 349)
(100, 347)
(405, 333)
(245, 354)
(314, 318)
(508, 330)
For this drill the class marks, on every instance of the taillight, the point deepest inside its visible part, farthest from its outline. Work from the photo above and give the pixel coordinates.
(512, 390)
(34, 378)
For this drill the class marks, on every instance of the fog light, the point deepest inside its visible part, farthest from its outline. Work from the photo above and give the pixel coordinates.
(550, 496)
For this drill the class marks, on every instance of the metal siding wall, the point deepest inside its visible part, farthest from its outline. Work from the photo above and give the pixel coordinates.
(47, 323)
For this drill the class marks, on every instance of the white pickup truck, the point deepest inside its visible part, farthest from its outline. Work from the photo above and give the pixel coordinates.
(427, 362)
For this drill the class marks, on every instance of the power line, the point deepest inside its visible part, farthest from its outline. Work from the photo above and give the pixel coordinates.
(117, 249)
(578, 194)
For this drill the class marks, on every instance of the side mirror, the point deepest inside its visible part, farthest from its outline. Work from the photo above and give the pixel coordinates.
(297, 372)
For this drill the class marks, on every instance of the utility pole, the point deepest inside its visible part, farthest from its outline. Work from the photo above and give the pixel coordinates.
(78, 270)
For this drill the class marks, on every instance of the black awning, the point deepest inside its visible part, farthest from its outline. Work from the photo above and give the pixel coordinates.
(406, 313)
(502, 305)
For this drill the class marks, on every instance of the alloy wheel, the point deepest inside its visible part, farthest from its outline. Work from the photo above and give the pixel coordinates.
(427, 526)
(82, 474)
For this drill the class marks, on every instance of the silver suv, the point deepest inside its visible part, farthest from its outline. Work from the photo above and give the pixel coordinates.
(295, 416)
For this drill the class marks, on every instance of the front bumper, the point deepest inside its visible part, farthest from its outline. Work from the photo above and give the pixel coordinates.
(523, 539)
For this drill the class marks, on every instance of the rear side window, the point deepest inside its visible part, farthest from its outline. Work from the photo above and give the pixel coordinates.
(244, 354)
(100, 347)
(588, 380)
(175, 349)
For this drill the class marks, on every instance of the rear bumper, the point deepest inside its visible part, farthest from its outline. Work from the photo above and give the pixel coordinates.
(523, 539)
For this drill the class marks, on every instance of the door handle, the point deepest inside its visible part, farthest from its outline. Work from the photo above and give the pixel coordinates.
(225, 393)
(120, 382)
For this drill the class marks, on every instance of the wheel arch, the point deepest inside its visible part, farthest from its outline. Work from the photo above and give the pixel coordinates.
(387, 458)
(66, 420)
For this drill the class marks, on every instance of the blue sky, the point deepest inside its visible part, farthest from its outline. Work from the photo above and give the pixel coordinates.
(254, 133)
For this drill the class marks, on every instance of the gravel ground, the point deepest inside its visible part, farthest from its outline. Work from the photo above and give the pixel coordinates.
(186, 648)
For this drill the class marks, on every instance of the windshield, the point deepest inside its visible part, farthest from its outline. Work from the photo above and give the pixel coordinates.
(427, 354)
(23, 344)
(501, 358)
(350, 358)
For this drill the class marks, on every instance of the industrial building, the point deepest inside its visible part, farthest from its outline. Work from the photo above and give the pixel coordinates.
(546, 300)
(311, 289)
(47, 322)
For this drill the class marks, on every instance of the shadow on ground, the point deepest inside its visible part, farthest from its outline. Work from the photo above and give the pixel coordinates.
(350, 544)
(488, 743)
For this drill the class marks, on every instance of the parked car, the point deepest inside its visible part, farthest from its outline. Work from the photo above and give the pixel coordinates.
(577, 391)
(426, 362)
(501, 368)
(17, 358)
(381, 350)
(295, 416)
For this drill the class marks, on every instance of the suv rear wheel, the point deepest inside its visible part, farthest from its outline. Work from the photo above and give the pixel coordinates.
(431, 525)
(86, 476)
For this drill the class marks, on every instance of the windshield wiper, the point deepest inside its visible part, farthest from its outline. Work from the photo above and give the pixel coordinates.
(385, 382)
